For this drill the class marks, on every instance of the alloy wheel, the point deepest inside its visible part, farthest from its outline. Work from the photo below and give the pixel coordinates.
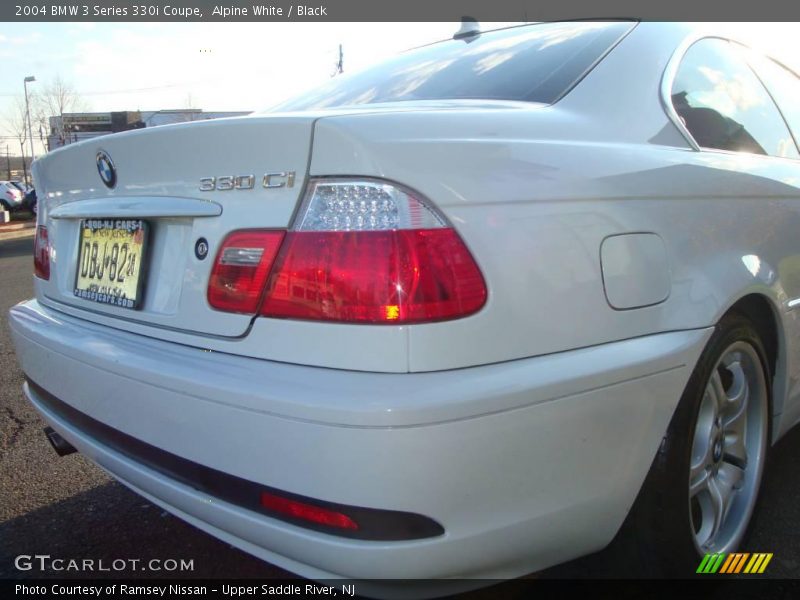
(728, 450)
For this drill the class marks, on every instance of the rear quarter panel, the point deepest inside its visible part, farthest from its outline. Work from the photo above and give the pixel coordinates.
(534, 191)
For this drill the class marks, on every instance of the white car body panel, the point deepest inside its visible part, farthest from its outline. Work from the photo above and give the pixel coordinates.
(438, 443)
(525, 429)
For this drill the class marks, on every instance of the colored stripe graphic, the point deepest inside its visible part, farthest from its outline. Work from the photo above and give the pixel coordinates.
(765, 563)
(703, 564)
(740, 562)
(735, 562)
(710, 563)
(727, 564)
(758, 563)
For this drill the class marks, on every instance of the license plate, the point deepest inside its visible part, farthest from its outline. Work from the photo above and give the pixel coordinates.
(110, 261)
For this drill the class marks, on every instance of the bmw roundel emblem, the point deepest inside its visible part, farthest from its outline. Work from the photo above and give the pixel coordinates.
(106, 169)
(201, 248)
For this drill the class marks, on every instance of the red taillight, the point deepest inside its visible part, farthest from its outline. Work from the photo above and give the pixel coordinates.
(41, 254)
(241, 268)
(306, 512)
(360, 251)
(398, 276)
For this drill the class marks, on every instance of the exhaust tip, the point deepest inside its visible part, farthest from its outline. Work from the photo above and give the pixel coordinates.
(59, 444)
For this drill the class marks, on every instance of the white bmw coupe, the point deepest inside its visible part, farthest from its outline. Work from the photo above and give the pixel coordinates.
(463, 314)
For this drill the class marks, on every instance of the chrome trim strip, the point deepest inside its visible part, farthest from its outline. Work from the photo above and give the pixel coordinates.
(136, 207)
(668, 78)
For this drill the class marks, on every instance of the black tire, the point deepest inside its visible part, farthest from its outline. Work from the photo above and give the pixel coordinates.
(5, 205)
(658, 537)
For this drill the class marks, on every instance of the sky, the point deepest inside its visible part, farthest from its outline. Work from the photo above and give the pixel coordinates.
(212, 66)
(225, 66)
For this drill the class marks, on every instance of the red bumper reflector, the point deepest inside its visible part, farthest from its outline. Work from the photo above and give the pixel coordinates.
(306, 512)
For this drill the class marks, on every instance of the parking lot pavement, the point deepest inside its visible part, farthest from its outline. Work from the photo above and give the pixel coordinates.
(67, 507)
(16, 231)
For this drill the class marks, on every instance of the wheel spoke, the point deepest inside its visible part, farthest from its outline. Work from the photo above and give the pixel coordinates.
(739, 389)
(730, 477)
(737, 425)
(698, 481)
(735, 407)
(702, 444)
(735, 450)
(717, 391)
(721, 490)
(717, 508)
(735, 419)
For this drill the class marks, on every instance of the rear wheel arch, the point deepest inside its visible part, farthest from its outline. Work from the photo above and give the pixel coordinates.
(762, 313)
(655, 537)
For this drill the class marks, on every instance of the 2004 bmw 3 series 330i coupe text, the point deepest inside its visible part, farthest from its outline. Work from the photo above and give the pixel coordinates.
(462, 315)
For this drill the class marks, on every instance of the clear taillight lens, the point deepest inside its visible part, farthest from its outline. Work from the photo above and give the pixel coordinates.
(370, 205)
(41, 253)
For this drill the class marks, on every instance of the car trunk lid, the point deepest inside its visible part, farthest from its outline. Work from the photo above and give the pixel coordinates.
(191, 185)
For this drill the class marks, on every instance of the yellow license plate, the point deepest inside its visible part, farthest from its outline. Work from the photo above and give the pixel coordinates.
(110, 261)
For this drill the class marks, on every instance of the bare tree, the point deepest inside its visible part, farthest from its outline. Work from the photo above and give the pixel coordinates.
(40, 120)
(55, 98)
(16, 123)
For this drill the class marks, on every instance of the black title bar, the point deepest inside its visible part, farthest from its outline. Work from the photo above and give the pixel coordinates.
(407, 10)
(701, 588)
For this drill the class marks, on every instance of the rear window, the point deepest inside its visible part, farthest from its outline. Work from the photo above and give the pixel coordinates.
(725, 106)
(533, 63)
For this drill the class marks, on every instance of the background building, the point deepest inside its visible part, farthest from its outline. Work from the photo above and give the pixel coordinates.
(76, 127)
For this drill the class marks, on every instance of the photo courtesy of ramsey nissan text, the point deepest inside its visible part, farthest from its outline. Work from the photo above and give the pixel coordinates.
(368, 300)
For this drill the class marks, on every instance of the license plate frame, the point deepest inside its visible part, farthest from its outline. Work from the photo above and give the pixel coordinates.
(132, 227)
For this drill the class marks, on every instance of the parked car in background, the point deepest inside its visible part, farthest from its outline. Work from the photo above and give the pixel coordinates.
(461, 315)
(30, 201)
(22, 187)
(11, 196)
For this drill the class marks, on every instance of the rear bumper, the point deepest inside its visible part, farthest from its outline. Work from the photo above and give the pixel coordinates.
(524, 464)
